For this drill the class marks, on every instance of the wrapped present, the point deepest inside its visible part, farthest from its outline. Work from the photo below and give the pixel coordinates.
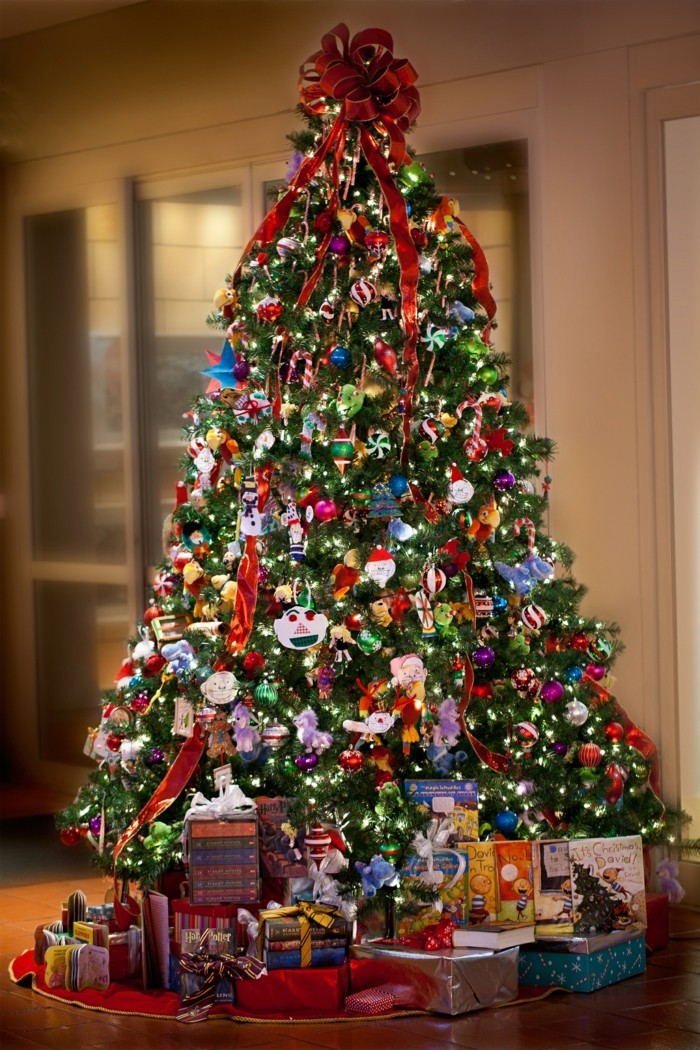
(657, 920)
(309, 925)
(583, 964)
(187, 916)
(450, 981)
(204, 976)
(124, 954)
(295, 993)
(440, 869)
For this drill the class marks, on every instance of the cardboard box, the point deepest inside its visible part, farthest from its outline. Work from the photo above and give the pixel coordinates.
(583, 964)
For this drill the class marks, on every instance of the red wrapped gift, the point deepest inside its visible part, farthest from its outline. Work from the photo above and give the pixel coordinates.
(298, 993)
(657, 920)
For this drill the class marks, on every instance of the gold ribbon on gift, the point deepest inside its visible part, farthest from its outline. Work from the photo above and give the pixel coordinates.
(307, 913)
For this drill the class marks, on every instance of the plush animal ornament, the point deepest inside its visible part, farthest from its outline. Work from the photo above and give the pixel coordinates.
(377, 873)
(485, 523)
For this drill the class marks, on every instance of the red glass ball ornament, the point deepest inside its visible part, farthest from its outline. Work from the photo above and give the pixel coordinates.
(154, 665)
(253, 663)
(350, 761)
(376, 241)
(579, 642)
(114, 741)
(269, 308)
(152, 613)
(614, 732)
(522, 678)
(482, 690)
(595, 671)
(353, 621)
(70, 836)
(326, 510)
(475, 449)
(419, 236)
(181, 559)
(589, 755)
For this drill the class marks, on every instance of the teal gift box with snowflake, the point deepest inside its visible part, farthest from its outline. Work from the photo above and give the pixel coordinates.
(583, 964)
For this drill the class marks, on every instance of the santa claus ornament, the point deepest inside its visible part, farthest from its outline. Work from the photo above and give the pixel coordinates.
(380, 566)
(459, 489)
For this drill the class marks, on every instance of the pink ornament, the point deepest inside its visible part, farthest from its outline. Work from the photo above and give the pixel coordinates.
(595, 671)
(326, 510)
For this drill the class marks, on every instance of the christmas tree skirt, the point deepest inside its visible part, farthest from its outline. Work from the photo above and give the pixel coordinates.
(317, 985)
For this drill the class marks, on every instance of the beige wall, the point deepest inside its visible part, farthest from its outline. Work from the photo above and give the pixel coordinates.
(166, 87)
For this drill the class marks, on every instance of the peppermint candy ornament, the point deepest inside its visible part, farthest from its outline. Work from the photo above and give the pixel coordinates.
(435, 338)
(326, 312)
(363, 292)
(287, 246)
(432, 429)
(527, 733)
(534, 617)
(378, 444)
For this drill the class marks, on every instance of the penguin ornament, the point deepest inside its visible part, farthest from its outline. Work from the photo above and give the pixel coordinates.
(251, 523)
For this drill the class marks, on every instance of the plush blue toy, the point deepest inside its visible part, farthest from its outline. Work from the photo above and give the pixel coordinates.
(180, 656)
(443, 760)
(377, 873)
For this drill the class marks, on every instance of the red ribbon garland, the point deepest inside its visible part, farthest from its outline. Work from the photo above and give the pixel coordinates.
(171, 786)
(480, 284)
(498, 763)
(247, 576)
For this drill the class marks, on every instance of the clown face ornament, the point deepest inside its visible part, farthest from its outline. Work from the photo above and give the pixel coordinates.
(300, 628)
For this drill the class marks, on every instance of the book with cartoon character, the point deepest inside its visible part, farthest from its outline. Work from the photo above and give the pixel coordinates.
(617, 865)
(453, 800)
(551, 870)
(515, 893)
(281, 845)
(483, 881)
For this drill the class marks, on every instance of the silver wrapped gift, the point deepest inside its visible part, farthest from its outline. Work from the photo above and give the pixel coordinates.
(450, 981)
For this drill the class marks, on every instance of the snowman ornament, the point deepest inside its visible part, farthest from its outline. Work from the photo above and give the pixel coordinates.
(251, 522)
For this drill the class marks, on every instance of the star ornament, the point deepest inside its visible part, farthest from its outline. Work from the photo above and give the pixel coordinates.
(220, 372)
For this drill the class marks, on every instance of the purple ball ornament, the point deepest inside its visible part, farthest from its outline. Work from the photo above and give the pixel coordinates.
(155, 756)
(306, 762)
(241, 369)
(559, 748)
(95, 824)
(504, 481)
(552, 691)
(339, 244)
(595, 671)
(483, 657)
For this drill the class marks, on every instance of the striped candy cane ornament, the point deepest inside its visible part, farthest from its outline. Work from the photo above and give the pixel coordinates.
(474, 448)
(530, 532)
(307, 377)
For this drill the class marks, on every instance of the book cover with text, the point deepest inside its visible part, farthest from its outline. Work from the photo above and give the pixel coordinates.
(515, 891)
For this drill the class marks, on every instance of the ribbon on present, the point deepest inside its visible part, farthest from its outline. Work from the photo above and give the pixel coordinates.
(435, 839)
(325, 888)
(307, 914)
(212, 969)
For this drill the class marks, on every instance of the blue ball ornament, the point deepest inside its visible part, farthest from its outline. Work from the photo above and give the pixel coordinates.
(340, 357)
(398, 485)
(573, 673)
(499, 604)
(506, 821)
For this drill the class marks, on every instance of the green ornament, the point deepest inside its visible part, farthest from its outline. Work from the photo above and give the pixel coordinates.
(390, 849)
(369, 640)
(350, 400)
(289, 768)
(265, 693)
(488, 374)
(426, 451)
(413, 174)
(476, 348)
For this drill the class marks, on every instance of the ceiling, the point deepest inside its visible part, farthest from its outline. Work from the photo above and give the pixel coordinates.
(27, 16)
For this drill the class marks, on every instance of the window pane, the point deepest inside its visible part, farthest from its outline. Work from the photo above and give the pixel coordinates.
(189, 244)
(73, 295)
(80, 632)
(491, 184)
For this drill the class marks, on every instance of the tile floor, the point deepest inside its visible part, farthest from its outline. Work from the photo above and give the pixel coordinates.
(659, 1010)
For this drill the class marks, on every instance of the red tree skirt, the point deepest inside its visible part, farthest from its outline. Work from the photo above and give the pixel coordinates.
(322, 985)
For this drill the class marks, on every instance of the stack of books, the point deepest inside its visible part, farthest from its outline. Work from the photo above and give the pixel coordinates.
(223, 861)
(281, 945)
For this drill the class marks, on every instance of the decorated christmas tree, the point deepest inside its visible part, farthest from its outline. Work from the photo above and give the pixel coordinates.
(356, 585)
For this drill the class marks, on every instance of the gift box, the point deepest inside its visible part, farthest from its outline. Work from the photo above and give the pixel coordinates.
(584, 964)
(449, 877)
(451, 981)
(124, 954)
(201, 917)
(295, 993)
(304, 935)
(657, 920)
(206, 980)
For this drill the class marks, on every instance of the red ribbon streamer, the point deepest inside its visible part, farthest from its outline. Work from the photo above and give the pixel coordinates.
(480, 284)
(168, 790)
(498, 763)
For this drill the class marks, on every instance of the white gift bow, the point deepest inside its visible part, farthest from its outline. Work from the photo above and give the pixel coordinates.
(437, 835)
(231, 803)
(325, 887)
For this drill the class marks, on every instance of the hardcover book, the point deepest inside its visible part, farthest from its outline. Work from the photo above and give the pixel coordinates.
(281, 845)
(608, 884)
(453, 800)
(494, 935)
(551, 869)
(223, 860)
(483, 881)
(515, 892)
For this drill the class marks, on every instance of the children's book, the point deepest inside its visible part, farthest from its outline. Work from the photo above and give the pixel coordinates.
(281, 845)
(452, 800)
(551, 871)
(494, 935)
(483, 881)
(608, 884)
(155, 949)
(515, 892)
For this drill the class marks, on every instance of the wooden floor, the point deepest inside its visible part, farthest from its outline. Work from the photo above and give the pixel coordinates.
(659, 1010)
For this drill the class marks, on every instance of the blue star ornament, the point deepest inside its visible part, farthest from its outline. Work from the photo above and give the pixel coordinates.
(221, 371)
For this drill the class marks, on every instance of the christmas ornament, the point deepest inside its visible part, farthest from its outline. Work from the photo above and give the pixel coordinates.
(378, 444)
(140, 703)
(432, 429)
(426, 451)
(483, 606)
(435, 338)
(506, 821)
(265, 693)
(275, 736)
(342, 449)
(398, 485)
(382, 503)
(351, 761)
(504, 481)
(306, 762)
(245, 733)
(552, 691)
(601, 648)
(527, 733)
(309, 734)
(363, 292)
(573, 673)
(488, 374)
(483, 657)
(219, 687)
(380, 566)
(317, 842)
(614, 732)
(487, 520)
(533, 617)
(596, 671)
(253, 663)
(559, 748)
(340, 642)
(579, 641)
(300, 628)
(326, 510)
(380, 612)
(376, 242)
(369, 640)
(385, 356)
(350, 400)
(460, 490)
(499, 604)
(155, 756)
(433, 580)
(576, 713)
(241, 369)
(590, 755)
(326, 312)
(70, 836)
(269, 308)
(523, 679)
(340, 357)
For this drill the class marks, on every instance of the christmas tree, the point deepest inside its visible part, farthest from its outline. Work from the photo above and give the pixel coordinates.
(356, 585)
